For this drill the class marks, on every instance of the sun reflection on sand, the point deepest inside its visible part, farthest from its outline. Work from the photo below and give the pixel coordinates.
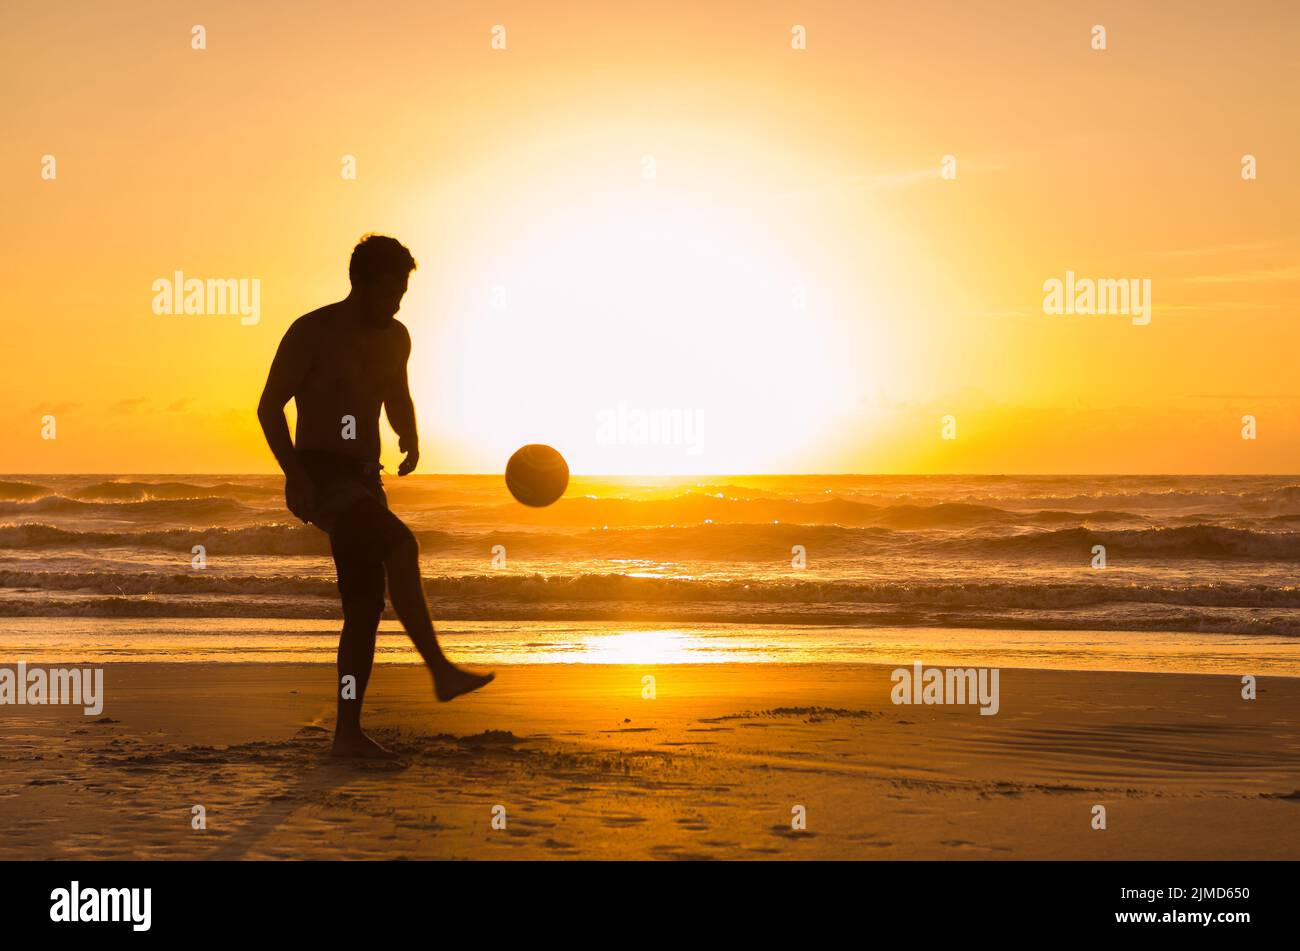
(643, 647)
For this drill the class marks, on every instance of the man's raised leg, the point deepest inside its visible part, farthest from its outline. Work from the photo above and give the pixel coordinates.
(406, 592)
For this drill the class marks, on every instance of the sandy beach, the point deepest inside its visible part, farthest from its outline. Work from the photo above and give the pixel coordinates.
(712, 768)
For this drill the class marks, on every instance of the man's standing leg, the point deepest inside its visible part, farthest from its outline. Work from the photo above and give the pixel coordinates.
(361, 588)
(356, 657)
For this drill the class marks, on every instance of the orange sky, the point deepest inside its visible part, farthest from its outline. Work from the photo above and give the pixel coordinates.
(796, 280)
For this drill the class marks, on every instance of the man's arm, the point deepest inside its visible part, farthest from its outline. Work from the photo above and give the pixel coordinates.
(288, 370)
(400, 409)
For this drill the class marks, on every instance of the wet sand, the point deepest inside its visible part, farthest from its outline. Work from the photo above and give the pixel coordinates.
(574, 762)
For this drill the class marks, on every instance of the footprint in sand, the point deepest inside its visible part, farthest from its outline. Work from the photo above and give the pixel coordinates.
(966, 846)
(632, 729)
(788, 833)
(680, 854)
(490, 738)
(381, 765)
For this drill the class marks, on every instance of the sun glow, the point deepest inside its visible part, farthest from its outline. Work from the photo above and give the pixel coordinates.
(664, 241)
(649, 329)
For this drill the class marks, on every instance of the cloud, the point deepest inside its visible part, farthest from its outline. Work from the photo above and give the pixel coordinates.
(904, 179)
(1245, 396)
(1219, 249)
(865, 184)
(55, 408)
(1289, 272)
(1221, 306)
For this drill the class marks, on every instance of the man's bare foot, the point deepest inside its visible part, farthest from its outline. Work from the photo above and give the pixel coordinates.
(450, 682)
(359, 746)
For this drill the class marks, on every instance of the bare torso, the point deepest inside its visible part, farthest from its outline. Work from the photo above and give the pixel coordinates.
(353, 369)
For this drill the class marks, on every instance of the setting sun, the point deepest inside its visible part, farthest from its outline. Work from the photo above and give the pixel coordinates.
(652, 300)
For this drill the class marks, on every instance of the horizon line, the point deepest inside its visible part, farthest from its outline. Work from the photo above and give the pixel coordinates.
(717, 475)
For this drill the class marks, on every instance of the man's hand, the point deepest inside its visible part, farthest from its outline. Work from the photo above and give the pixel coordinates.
(300, 496)
(401, 410)
(411, 461)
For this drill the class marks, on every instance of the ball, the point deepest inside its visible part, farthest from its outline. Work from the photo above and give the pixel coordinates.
(537, 475)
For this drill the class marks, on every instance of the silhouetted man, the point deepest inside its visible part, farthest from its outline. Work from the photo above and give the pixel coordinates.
(340, 364)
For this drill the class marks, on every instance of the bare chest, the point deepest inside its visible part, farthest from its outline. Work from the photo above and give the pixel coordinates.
(364, 364)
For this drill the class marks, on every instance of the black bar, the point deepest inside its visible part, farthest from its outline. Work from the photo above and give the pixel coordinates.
(972, 900)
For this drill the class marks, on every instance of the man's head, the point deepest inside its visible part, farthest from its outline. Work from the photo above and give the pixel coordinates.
(379, 270)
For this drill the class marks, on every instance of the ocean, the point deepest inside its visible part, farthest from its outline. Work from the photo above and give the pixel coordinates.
(1118, 572)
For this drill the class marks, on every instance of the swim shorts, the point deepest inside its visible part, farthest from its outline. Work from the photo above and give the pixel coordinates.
(352, 508)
